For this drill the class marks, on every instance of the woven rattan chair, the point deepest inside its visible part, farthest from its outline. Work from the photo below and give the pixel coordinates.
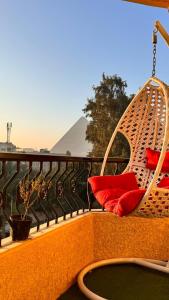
(145, 124)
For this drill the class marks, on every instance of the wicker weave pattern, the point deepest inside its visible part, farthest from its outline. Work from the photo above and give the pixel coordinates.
(145, 125)
(157, 203)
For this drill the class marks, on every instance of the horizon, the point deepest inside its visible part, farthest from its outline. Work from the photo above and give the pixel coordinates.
(60, 139)
(53, 53)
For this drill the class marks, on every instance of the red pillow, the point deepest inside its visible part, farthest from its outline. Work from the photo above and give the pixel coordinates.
(152, 160)
(107, 194)
(126, 203)
(164, 182)
(126, 181)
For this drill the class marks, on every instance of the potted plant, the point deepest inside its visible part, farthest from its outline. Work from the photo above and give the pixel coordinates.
(29, 190)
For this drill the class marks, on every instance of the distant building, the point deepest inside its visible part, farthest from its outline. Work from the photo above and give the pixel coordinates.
(26, 150)
(7, 147)
(74, 141)
(45, 150)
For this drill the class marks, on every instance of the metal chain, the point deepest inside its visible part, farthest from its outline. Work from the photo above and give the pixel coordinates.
(154, 61)
(154, 41)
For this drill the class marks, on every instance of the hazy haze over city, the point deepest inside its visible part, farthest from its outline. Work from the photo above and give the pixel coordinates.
(52, 52)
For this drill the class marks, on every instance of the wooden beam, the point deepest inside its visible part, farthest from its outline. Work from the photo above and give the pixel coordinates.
(162, 31)
(157, 3)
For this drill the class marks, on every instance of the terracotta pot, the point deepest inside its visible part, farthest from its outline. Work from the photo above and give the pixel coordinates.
(20, 228)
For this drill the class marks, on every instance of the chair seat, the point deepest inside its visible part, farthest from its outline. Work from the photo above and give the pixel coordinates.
(125, 204)
(119, 194)
(106, 195)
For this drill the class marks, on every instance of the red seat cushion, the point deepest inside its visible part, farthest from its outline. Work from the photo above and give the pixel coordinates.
(152, 157)
(164, 182)
(107, 194)
(126, 203)
(119, 194)
(126, 181)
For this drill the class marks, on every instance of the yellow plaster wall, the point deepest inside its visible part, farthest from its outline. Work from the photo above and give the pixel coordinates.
(130, 237)
(41, 269)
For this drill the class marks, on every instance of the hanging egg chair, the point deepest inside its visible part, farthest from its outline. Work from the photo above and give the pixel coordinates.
(143, 187)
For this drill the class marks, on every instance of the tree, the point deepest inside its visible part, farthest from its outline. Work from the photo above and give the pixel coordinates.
(68, 153)
(104, 111)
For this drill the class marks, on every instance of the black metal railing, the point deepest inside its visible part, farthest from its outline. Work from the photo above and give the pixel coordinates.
(68, 191)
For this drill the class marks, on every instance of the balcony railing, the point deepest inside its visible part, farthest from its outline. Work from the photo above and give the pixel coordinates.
(68, 193)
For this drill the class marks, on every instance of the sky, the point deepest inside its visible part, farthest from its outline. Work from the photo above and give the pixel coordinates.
(53, 51)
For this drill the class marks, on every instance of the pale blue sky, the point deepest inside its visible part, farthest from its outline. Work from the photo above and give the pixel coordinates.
(53, 51)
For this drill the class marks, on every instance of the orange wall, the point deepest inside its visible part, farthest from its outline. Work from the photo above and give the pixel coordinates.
(43, 268)
(130, 237)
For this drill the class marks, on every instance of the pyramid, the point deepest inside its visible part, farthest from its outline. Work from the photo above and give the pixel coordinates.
(74, 140)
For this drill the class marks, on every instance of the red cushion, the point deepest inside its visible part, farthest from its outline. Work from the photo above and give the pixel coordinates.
(164, 182)
(119, 194)
(126, 181)
(126, 203)
(107, 194)
(152, 157)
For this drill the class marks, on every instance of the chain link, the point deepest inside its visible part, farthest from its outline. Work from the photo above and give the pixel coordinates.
(154, 61)
(154, 41)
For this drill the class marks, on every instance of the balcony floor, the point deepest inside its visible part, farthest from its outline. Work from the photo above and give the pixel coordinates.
(72, 294)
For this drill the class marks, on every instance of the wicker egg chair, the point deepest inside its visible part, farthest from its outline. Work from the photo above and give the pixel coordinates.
(145, 124)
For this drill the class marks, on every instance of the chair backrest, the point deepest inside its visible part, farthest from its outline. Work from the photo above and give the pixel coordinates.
(145, 124)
